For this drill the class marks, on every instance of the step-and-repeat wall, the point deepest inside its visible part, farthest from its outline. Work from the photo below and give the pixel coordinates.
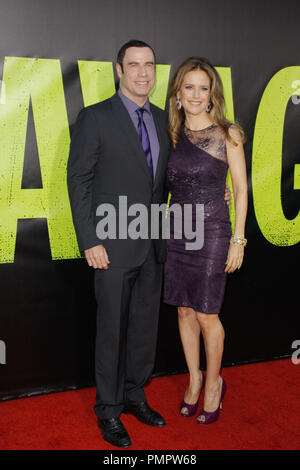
(57, 57)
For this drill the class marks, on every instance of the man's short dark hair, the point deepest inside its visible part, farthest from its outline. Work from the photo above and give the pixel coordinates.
(131, 43)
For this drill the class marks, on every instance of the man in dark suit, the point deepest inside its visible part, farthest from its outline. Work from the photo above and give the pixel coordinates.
(120, 147)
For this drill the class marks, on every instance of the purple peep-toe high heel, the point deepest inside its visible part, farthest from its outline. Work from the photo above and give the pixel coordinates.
(206, 417)
(191, 409)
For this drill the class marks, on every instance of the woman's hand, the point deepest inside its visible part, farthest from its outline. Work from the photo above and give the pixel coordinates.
(234, 258)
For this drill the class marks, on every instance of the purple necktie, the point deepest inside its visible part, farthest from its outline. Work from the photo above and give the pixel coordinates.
(143, 133)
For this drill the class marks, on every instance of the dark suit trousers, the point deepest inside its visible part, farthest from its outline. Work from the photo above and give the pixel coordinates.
(127, 319)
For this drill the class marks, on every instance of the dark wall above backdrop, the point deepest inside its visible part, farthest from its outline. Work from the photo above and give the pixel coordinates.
(56, 57)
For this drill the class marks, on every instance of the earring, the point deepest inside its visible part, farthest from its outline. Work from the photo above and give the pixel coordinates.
(208, 107)
(179, 104)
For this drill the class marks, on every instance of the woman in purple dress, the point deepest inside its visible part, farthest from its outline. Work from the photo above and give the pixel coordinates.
(205, 145)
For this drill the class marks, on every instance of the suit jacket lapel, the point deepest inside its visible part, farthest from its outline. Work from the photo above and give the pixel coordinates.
(160, 135)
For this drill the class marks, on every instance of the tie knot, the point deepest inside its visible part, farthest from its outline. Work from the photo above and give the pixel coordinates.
(140, 112)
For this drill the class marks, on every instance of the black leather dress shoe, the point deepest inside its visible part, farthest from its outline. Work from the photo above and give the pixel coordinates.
(114, 432)
(143, 412)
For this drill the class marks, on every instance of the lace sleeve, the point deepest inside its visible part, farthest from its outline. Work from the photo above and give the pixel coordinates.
(212, 139)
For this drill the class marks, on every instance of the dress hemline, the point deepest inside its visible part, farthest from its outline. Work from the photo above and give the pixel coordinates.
(172, 302)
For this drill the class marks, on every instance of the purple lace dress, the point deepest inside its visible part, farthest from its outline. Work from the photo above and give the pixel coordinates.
(197, 171)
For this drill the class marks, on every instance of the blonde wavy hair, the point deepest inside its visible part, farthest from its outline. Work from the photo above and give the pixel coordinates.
(177, 117)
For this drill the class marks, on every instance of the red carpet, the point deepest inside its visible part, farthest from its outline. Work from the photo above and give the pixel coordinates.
(260, 411)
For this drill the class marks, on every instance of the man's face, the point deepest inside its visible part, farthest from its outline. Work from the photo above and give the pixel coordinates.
(138, 75)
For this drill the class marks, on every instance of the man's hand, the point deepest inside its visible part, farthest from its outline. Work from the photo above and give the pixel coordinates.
(227, 196)
(97, 257)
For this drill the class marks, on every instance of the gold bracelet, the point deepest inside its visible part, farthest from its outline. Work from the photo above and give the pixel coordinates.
(238, 241)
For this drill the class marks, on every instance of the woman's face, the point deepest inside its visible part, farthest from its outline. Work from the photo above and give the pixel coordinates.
(194, 92)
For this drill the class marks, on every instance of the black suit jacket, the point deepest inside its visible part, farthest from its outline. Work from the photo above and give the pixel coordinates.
(107, 160)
